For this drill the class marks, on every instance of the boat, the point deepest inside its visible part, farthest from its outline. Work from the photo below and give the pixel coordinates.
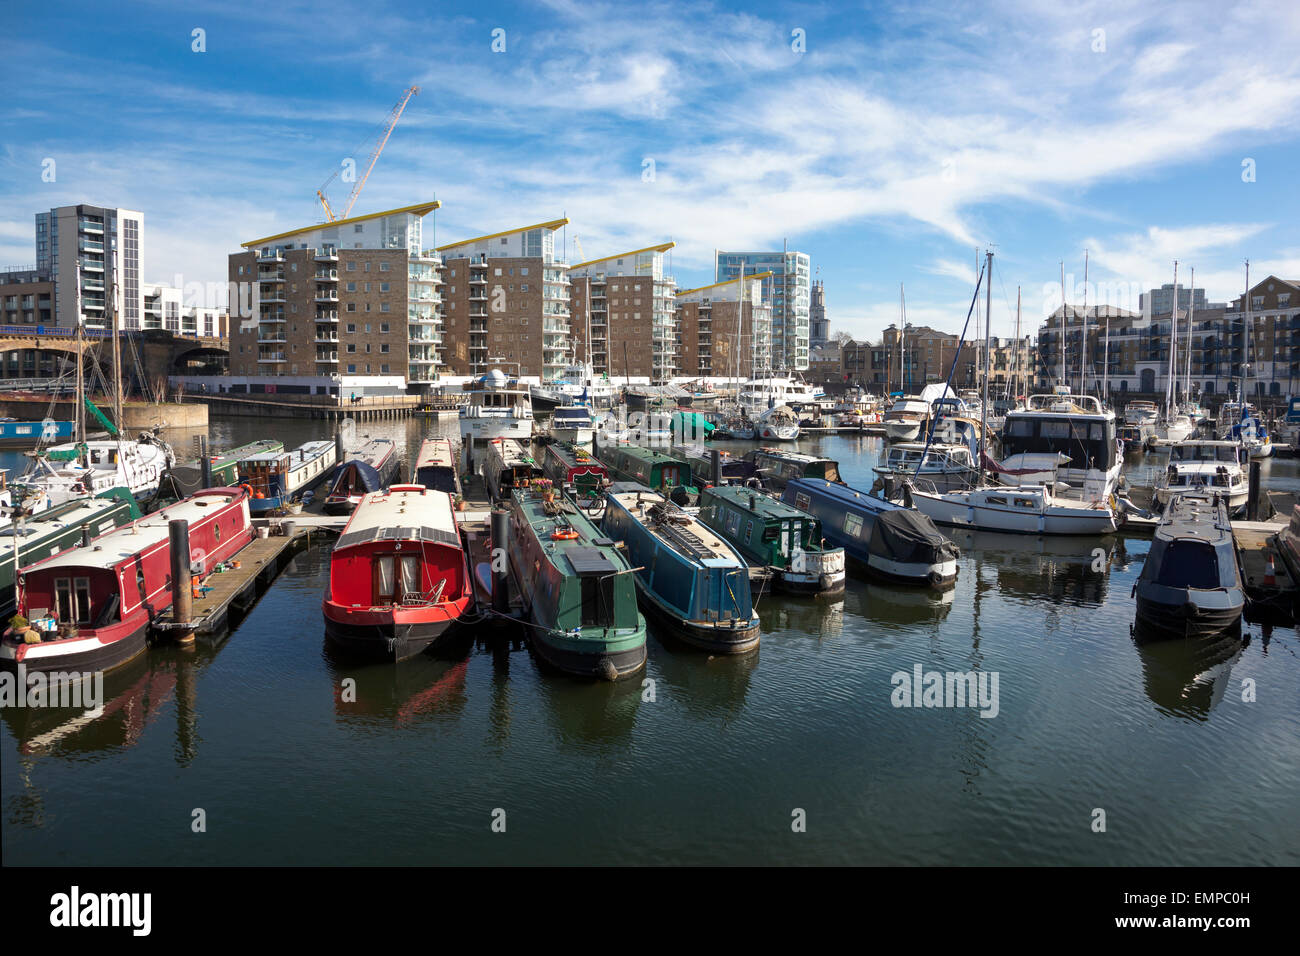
(98, 466)
(1140, 412)
(545, 398)
(1074, 431)
(1213, 466)
(777, 467)
(1017, 509)
(506, 466)
(497, 408)
(906, 418)
(732, 470)
(368, 468)
(54, 530)
(1191, 585)
(577, 384)
(1133, 438)
(735, 426)
(778, 423)
(16, 434)
(435, 466)
(399, 577)
(775, 535)
(893, 542)
(577, 587)
(764, 392)
(689, 581)
(648, 466)
(273, 479)
(573, 423)
(1250, 431)
(94, 605)
(945, 465)
(574, 470)
(225, 465)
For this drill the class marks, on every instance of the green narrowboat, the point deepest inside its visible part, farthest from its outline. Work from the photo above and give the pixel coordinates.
(778, 467)
(225, 465)
(578, 588)
(772, 534)
(645, 466)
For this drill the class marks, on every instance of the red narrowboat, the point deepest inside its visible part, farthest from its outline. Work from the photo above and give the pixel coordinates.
(398, 574)
(574, 469)
(93, 605)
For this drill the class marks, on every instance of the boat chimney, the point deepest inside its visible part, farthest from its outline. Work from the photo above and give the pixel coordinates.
(753, 502)
(178, 531)
(338, 446)
(85, 536)
(716, 456)
(205, 463)
(500, 560)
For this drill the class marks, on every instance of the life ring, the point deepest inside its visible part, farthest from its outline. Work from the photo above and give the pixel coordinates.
(564, 535)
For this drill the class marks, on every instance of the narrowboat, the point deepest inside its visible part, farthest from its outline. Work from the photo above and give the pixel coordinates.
(778, 467)
(15, 434)
(571, 468)
(507, 465)
(225, 465)
(435, 467)
(54, 530)
(1190, 585)
(733, 470)
(646, 466)
(895, 543)
(399, 577)
(775, 535)
(274, 478)
(573, 423)
(368, 468)
(93, 605)
(688, 579)
(577, 586)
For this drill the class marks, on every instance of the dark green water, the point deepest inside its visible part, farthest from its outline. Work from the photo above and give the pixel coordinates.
(253, 732)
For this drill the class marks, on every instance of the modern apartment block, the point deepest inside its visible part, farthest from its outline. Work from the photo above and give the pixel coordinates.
(165, 309)
(356, 296)
(788, 290)
(725, 329)
(506, 303)
(26, 297)
(1160, 301)
(627, 301)
(106, 243)
(819, 327)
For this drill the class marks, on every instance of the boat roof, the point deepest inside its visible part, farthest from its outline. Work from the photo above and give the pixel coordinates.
(65, 515)
(744, 499)
(794, 456)
(835, 490)
(583, 553)
(121, 544)
(568, 454)
(435, 451)
(306, 450)
(637, 499)
(1195, 517)
(509, 452)
(374, 449)
(402, 513)
(651, 455)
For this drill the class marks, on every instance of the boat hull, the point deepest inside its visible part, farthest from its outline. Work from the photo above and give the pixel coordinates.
(487, 428)
(792, 582)
(381, 635)
(1062, 521)
(902, 431)
(1187, 619)
(610, 665)
(702, 635)
(102, 650)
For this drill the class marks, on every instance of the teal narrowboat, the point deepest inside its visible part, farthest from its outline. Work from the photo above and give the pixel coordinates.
(778, 467)
(577, 586)
(645, 466)
(775, 535)
(689, 580)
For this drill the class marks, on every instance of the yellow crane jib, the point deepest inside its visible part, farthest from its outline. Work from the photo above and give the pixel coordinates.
(393, 116)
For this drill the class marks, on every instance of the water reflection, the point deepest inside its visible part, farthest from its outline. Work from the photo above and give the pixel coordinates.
(706, 685)
(1186, 677)
(817, 619)
(428, 688)
(1060, 569)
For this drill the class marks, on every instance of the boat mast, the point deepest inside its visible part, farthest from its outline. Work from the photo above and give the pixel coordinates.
(1083, 349)
(988, 325)
(1241, 396)
(79, 413)
(117, 363)
(1015, 357)
(902, 339)
(1191, 312)
(1173, 350)
(1060, 378)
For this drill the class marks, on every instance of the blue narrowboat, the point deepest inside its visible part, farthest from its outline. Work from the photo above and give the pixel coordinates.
(689, 581)
(275, 478)
(895, 543)
(15, 434)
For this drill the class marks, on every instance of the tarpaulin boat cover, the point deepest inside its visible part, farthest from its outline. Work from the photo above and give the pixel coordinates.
(909, 537)
(367, 477)
(690, 423)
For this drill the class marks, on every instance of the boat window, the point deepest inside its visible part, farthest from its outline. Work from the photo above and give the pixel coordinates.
(733, 523)
(832, 472)
(853, 525)
(384, 579)
(1025, 503)
(1191, 564)
(72, 600)
(216, 531)
(749, 530)
(410, 575)
(598, 601)
(1049, 429)
(1020, 428)
(801, 501)
(995, 500)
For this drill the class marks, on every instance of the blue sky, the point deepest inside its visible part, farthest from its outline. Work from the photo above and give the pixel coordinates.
(902, 138)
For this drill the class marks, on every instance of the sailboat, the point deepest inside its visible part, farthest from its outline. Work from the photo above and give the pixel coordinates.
(1026, 508)
(1174, 424)
(99, 467)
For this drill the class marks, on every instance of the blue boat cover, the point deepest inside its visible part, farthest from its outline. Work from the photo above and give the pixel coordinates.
(367, 479)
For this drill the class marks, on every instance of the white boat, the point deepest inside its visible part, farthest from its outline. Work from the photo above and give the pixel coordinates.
(763, 392)
(1213, 466)
(777, 424)
(64, 472)
(1061, 424)
(945, 465)
(904, 421)
(1141, 413)
(579, 384)
(573, 423)
(1019, 509)
(1176, 427)
(497, 408)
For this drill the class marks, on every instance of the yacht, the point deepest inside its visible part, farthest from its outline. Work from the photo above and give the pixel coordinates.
(573, 423)
(777, 424)
(906, 418)
(498, 408)
(65, 472)
(1022, 509)
(1141, 413)
(761, 393)
(1074, 434)
(1211, 466)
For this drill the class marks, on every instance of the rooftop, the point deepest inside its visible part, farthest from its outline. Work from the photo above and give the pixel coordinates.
(420, 209)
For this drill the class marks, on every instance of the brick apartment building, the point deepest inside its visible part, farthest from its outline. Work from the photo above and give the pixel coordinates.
(627, 302)
(724, 329)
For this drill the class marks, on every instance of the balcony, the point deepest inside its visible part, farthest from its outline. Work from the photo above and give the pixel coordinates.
(270, 358)
(271, 295)
(326, 254)
(90, 245)
(327, 315)
(275, 315)
(271, 255)
(270, 276)
(480, 279)
(91, 265)
(327, 295)
(323, 336)
(271, 337)
(327, 275)
(90, 226)
(329, 357)
(476, 296)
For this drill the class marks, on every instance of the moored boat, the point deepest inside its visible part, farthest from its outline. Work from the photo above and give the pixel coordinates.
(399, 577)
(1191, 585)
(274, 478)
(647, 466)
(506, 466)
(573, 469)
(225, 465)
(1017, 509)
(906, 418)
(733, 470)
(16, 434)
(435, 466)
(573, 423)
(578, 589)
(94, 605)
(1213, 466)
(778, 467)
(368, 468)
(497, 408)
(689, 581)
(893, 542)
(775, 535)
(777, 424)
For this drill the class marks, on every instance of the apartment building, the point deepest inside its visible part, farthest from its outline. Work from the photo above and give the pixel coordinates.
(26, 297)
(85, 250)
(788, 292)
(352, 297)
(506, 303)
(724, 329)
(627, 304)
(165, 309)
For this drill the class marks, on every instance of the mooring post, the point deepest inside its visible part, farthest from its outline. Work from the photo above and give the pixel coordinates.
(338, 445)
(1252, 501)
(205, 463)
(178, 531)
(716, 461)
(500, 558)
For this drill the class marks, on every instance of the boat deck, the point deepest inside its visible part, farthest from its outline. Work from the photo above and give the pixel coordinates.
(693, 538)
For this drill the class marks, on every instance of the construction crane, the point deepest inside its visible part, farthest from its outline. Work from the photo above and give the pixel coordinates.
(578, 242)
(393, 115)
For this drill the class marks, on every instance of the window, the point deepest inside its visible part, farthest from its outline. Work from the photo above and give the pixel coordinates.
(384, 369)
(351, 349)
(853, 525)
(352, 267)
(801, 501)
(359, 227)
(749, 530)
(72, 600)
(352, 327)
(352, 369)
(352, 307)
(383, 286)
(383, 267)
(352, 287)
(384, 348)
(383, 328)
(732, 522)
(384, 307)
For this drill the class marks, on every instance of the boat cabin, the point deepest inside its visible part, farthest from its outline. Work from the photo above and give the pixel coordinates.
(572, 468)
(766, 531)
(646, 466)
(508, 465)
(780, 467)
(435, 467)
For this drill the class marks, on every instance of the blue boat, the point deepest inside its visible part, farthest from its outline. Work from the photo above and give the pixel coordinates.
(16, 434)
(275, 478)
(689, 581)
(895, 543)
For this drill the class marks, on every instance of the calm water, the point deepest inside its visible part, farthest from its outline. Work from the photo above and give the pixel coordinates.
(253, 732)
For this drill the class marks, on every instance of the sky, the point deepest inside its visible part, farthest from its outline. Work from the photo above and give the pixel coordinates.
(893, 143)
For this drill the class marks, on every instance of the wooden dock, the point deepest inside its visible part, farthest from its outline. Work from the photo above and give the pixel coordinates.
(1256, 547)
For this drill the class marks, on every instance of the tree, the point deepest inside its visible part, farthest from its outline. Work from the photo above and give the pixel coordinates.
(841, 338)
